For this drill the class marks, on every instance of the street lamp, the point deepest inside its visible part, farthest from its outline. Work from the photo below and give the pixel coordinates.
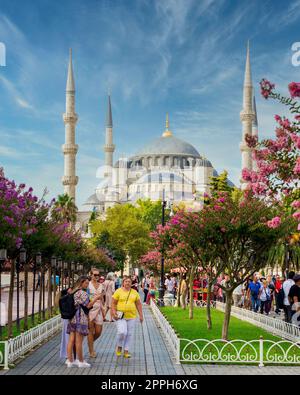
(22, 261)
(59, 266)
(73, 267)
(36, 264)
(3, 257)
(66, 265)
(162, 275)
(53, 267)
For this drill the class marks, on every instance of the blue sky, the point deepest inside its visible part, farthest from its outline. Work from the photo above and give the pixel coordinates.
(182, 56)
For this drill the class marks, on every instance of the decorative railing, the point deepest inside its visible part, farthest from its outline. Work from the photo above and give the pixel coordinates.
(17, 347)
(4, 355)
(259, 352)
(274, 325)
(167, 330)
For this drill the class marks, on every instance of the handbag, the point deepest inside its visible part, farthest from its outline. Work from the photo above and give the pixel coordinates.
(120, 314)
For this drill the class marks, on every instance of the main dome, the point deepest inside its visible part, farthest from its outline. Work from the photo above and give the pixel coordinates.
(169, 145)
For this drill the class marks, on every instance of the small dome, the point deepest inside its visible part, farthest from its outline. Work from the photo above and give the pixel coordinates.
(169, 145)
(92, 201)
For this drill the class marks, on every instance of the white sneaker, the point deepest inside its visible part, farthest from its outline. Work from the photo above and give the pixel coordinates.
(83, 364)
(76, 362)
(69, 364)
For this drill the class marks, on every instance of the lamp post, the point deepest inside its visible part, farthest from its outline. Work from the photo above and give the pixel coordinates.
(66, 265)
(73, 268)
(3, 257)
(22, 261)
(162, 274)
(53, 267)
(36, 264)
(59, 266)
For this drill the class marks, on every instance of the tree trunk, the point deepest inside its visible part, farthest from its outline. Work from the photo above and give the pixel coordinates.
(11, 300)
(178, 291)
(226, 322)
(208, 309)
(26, 297)
(191, 306)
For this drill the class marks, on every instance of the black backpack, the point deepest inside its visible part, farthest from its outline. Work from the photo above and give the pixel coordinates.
(67, 306)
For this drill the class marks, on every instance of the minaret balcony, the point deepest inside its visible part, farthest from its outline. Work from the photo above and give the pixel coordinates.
(247, 115)
(70, 149)
(70, 118)
(245, 147)
(109, 148)
(70, 180)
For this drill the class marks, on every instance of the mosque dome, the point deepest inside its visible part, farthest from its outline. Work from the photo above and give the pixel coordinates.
(167, 144)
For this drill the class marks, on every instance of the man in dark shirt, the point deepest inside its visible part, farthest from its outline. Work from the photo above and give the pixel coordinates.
(294, 293)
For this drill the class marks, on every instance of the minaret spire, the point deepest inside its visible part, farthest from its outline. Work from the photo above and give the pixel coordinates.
(109, 147)
(247, 117)
(70, 149)
(167, 132)
(254, 130)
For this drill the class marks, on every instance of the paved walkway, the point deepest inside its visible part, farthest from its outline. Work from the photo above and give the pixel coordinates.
(150, 357)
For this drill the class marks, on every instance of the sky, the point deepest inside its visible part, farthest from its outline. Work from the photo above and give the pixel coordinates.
(185, 57)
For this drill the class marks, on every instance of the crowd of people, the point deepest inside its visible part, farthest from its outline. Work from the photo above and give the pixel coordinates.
(92, 301)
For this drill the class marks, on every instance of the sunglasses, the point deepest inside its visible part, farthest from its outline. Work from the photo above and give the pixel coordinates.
(96, 275)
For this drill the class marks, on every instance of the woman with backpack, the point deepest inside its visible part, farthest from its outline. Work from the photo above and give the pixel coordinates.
(78, 325)
(109, 286)
(265, 298)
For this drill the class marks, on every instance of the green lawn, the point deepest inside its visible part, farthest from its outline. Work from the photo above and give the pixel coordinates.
(239, 330)
(17, 332)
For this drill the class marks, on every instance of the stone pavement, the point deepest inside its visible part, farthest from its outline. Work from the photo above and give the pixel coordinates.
(150, 356)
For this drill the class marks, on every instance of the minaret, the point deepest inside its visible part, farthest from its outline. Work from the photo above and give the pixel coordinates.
(254, 130)
(70, 149)
(109, 147)
(167, 132)
(247, 118)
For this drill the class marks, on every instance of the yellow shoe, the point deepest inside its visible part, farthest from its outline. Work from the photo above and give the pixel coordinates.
(127, 354)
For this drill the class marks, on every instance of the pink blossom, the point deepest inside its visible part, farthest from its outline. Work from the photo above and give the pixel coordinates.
(294, 88)
(296, 215)
(296, 204)
(274, 223)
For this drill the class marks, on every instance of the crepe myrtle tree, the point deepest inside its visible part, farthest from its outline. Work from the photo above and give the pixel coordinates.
(277, 159)
(241, 232)
(184, 240)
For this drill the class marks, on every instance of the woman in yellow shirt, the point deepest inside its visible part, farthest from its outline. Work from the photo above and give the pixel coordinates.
(125, 305)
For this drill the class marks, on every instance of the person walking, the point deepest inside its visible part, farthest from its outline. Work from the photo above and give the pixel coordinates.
(253, 290)
(125, 305)
(294, 295)
(95, 314)
(183, 291)
(238, 295)
(265, 298)
(152, 289)
(277, 293)
(78, 325)
(109, 287)
(287, 285)
(145, 286)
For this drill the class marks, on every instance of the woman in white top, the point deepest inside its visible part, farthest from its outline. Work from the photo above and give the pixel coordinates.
(109, 287)
(265, 298)
(95, 314)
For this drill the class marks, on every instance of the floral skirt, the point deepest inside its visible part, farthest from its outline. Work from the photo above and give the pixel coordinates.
(79, 324)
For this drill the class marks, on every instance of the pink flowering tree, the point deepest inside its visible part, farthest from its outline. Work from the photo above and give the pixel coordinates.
(277, 159)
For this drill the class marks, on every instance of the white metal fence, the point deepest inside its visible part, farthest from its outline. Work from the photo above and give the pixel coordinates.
(17, 347)
(274, 325)
(258, 351)
(167, 330)
(4, 355)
